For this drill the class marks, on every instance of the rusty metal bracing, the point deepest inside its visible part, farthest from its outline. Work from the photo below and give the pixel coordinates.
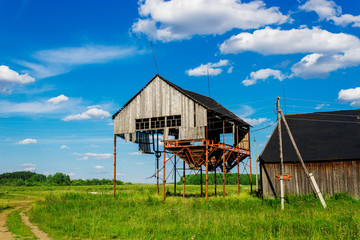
(193, 153)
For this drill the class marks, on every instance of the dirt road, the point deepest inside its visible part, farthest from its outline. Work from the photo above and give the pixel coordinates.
(4, 231)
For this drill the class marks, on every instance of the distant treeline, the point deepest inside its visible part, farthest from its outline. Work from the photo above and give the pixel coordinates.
(230, 179)
(25, 178)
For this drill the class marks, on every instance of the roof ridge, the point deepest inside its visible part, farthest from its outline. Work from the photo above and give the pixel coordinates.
(193, 96)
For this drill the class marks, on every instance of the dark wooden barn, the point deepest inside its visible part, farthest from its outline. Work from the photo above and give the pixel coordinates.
(192, 127)
(329, 143)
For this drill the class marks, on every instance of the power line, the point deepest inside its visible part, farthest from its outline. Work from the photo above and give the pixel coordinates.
(152, 47)
(321, 120)
(311, 100)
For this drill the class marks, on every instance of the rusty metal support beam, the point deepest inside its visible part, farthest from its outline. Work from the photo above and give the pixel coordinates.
(114, 165)
(237, 135)
(207, 169)
(215, 182)
(223, 157)
(201, 181)
(157, 175)
(175, 176)
(183, 179)
(238, 175)
(164, 176)
(251, 183)
(157, 161)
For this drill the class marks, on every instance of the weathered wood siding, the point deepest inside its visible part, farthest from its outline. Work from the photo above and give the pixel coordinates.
(332, 177)
(159, 99)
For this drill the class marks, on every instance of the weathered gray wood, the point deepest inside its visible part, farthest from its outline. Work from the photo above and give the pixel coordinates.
(314, 185)
(355, 178)
(296, 179)
(159, 99)
(331, 173)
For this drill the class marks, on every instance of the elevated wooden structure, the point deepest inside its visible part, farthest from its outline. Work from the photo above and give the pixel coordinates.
(193, 127)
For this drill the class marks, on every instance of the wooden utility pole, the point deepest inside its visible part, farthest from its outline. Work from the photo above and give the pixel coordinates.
(314, 185)
(280, 154)
(256, 165)
(114, 165)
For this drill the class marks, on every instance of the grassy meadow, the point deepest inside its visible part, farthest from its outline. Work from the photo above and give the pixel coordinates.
(90, 212)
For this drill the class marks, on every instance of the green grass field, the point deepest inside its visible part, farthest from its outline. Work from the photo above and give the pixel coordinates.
(138, 213)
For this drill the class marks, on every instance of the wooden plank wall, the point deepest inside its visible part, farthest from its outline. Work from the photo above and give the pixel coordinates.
(332, 177)
(160, 99)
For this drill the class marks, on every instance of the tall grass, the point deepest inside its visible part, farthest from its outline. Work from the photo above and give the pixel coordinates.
(138, 213)
(230, 179)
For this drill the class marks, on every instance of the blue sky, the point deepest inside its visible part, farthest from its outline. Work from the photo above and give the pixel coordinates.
(67, 66)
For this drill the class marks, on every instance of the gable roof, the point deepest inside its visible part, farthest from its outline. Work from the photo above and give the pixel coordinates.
(206, 102)
(321, 136)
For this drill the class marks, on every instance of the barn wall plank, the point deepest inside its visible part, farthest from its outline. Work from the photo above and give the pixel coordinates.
(332, 177)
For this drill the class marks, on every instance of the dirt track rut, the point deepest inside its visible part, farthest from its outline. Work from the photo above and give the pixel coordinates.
(4, 231)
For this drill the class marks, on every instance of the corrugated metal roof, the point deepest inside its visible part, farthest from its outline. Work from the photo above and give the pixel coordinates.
(205, 101)
(321, 136)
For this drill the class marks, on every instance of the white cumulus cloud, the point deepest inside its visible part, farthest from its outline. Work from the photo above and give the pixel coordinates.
(351, 95)
(64, 147)
(9, 77)
(330, 11)
(27, 141)
(212, 69)
(28, 165)
(99, 167)
(326, 51)
(181, 19)
(275, 41)
(58, 99)
(255, 121)
(92, 113)
(324, 8)
(320, 65)
(321, 106)
(263, 74)
(245, 112)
